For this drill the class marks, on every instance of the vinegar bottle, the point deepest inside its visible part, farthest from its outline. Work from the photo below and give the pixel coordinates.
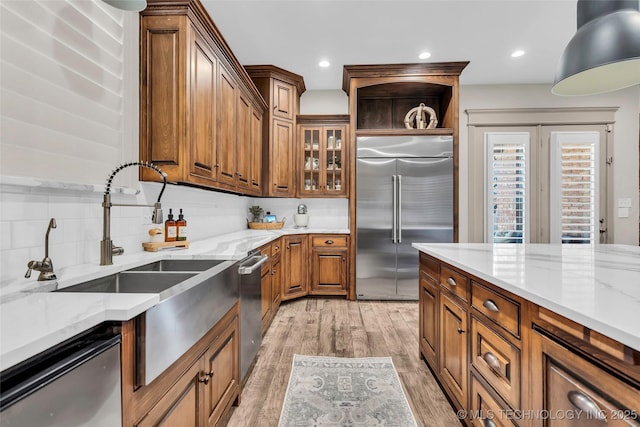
(181, 223)
(170, 229)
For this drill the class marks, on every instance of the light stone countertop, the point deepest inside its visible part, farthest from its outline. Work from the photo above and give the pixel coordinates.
(33, 319)
(596, 286)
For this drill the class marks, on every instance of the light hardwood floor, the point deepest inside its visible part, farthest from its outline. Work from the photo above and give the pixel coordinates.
(336, 327)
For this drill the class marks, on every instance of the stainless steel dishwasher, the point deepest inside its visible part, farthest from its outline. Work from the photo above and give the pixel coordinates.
(250, 310)
(75, 384)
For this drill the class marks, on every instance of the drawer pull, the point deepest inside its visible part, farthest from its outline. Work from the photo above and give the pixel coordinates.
(489, 423)
(492, 361)
(328, 242)
(490, 305)
(584, 403)
(451, 281)
(460, 331)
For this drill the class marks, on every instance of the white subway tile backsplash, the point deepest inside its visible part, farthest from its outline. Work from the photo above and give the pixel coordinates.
(20, 207)
(5, 235)
(13, 263)
(26, 234)
(24, 217)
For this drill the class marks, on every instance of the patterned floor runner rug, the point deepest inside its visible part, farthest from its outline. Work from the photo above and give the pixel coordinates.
(338, 391)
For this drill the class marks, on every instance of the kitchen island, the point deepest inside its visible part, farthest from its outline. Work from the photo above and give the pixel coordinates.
(511, 331)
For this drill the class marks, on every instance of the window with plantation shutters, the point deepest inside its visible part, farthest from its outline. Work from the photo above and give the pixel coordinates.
(507, 187)
(574, 173)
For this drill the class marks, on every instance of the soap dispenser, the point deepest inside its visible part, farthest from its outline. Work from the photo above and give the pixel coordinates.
(181, 224)
(170, 228)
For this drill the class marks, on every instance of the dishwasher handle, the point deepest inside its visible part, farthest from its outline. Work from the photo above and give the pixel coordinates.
(252, 264)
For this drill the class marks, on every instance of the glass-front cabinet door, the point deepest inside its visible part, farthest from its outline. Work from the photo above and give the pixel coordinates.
(322, 163)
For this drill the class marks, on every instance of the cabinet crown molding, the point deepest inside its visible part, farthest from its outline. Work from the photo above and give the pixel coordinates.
(271, 71)
(400, 70)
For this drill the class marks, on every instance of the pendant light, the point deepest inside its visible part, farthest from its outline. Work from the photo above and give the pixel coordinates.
(604, 54)
(129, 5)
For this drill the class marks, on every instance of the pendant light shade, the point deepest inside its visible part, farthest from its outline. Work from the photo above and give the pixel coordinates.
(129, 5)
(604, 54)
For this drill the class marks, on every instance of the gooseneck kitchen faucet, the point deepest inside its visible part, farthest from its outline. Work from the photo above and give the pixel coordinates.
(107, 248)
(45, 267)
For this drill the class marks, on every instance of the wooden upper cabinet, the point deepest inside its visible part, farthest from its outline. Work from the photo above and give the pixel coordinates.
(243, 143)
(203, 160)
(281, 159)
(197, 103)
(323, 156)
(227, 134)
(382, 95)
(283, 99)
(163, 62)
(256, 153)
(281, 89)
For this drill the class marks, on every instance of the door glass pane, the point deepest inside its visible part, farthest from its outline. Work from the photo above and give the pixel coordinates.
(507, 187)
(574, 188)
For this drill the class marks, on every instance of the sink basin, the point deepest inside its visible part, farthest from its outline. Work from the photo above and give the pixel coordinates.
(131, 282)
(179, 265)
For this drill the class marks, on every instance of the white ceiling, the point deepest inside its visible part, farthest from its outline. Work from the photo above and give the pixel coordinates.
(297, 34)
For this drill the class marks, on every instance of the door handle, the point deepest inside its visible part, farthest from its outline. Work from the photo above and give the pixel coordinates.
(252, 264)
(395, 209)
(399, 208)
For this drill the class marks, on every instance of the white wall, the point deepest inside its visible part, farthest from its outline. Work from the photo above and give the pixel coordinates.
(625, 152)
(68, 88)
(533, 96)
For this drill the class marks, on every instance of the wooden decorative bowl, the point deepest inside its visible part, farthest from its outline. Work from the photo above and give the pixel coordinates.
(266, 225)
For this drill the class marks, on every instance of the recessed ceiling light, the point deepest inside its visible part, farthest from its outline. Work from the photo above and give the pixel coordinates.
(324, 63)
(424, 55)
(517, 53)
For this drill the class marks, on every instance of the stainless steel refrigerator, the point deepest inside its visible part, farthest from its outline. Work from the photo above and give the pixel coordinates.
(404, 192)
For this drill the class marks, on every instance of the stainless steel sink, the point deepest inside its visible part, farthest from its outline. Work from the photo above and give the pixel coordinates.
(193, 296)
(178, 265)
(128, 282)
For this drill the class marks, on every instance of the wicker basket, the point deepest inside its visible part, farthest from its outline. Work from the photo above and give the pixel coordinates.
(265, 225)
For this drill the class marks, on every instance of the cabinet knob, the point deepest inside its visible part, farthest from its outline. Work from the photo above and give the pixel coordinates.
(460, 331)
(273, 272)
(490, 305)
(451, 281)
(217, 165)
(204, 379)
(584, 403)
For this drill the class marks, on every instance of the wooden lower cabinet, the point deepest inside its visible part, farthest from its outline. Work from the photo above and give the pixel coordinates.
(271, 282)
(276, 283)
(429, 307)
(294, 263)
(182, 406)
(197, 390)
(454, 367)
(584, 393)
(486, 411)
(509, 362)
(329, 269)
(221, 376)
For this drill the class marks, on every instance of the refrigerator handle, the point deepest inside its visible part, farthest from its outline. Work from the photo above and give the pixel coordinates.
(399, 208)
(395, 209)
